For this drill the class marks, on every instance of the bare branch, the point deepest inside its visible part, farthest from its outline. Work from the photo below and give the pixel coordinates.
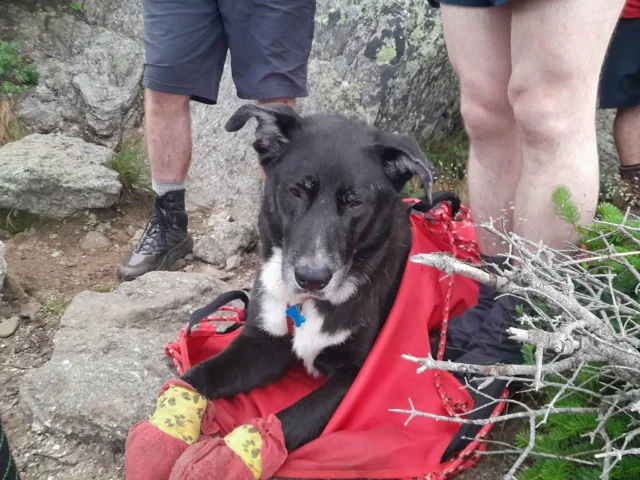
(526, 452)
(486, 421)
(619, 453)
(500, 370)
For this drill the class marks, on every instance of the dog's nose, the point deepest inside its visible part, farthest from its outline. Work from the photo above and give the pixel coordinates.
(313, 279)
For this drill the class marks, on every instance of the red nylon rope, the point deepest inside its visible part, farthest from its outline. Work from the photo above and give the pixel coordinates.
(470, 455)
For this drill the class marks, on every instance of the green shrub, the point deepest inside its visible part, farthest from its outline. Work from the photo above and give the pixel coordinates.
(16, 221)
(130, 162)
(54, 307)
(15, 73)
(76, 7)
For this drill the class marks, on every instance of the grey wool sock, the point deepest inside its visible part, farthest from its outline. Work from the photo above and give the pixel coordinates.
(161, 187)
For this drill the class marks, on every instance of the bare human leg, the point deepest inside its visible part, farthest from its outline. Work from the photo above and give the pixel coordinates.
(168, 132)
(168, 135)
(558, 47)
(169, 142)
(626, 132)
(557, 50)
(478, 43)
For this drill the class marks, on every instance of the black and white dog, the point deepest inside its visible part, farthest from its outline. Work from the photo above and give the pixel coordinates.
(335, 239)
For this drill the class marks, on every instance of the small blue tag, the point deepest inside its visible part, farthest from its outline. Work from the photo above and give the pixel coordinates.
(295, 315)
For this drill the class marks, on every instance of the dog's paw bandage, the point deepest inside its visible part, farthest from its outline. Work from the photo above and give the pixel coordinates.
(246, 442)
(179, 413)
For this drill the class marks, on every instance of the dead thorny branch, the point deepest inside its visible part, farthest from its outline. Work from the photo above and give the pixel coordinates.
(587, 326)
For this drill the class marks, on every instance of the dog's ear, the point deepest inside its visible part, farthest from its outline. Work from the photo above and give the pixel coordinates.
(276, 123)
(402, 159)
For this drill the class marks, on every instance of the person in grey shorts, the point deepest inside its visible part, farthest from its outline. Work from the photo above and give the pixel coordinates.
(186, 44)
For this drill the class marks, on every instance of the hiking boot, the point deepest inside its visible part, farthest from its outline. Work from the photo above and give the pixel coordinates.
(165, 239)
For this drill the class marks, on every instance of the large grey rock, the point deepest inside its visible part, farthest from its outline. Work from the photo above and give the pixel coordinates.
(108, 361)
(225, 240)
(89, 76)
(382, 61)
(3, 266)
(121, 16)
(56, 176)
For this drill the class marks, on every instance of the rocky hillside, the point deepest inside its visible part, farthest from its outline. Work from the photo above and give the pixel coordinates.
(384, 62)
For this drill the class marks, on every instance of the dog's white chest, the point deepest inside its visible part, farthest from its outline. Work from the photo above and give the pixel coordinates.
(308, 339)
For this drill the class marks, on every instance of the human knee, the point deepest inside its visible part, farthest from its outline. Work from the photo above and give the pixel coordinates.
(165, 103)
(546, 113)
(486, 111)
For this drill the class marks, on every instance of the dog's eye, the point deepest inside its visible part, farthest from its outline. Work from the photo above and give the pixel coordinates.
(295, 191)
(349, 199)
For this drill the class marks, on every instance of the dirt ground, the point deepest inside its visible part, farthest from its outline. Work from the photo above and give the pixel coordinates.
(51, 268)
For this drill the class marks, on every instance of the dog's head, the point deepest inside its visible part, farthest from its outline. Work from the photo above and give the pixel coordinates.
(331, 198)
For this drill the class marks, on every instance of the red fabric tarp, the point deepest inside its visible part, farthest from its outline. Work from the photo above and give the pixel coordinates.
(364, 439)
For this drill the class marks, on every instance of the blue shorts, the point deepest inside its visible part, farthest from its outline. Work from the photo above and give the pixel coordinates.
(620, 79)
(186, 44)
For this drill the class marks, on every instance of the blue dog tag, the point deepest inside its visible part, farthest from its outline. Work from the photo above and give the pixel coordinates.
(295, 315)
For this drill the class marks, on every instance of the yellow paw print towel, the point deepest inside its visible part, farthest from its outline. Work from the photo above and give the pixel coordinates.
(179, 413)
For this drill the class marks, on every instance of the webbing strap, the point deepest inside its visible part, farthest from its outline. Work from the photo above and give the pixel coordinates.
(8, 468)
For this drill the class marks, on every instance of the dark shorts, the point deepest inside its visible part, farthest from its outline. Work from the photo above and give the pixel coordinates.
(469, 3)
(186, 43)
(620, 80)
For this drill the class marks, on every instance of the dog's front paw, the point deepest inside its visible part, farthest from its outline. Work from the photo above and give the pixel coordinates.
(198, 378)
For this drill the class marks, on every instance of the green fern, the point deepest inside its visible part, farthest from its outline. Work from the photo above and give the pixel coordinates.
(565, 208)
(564, 436)
(616, 427)
(627, 469)
(546, 469)
(584, 473)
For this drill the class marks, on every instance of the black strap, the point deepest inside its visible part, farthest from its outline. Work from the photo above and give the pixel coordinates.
(215, 305)
(8, 467)
(438, 197)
